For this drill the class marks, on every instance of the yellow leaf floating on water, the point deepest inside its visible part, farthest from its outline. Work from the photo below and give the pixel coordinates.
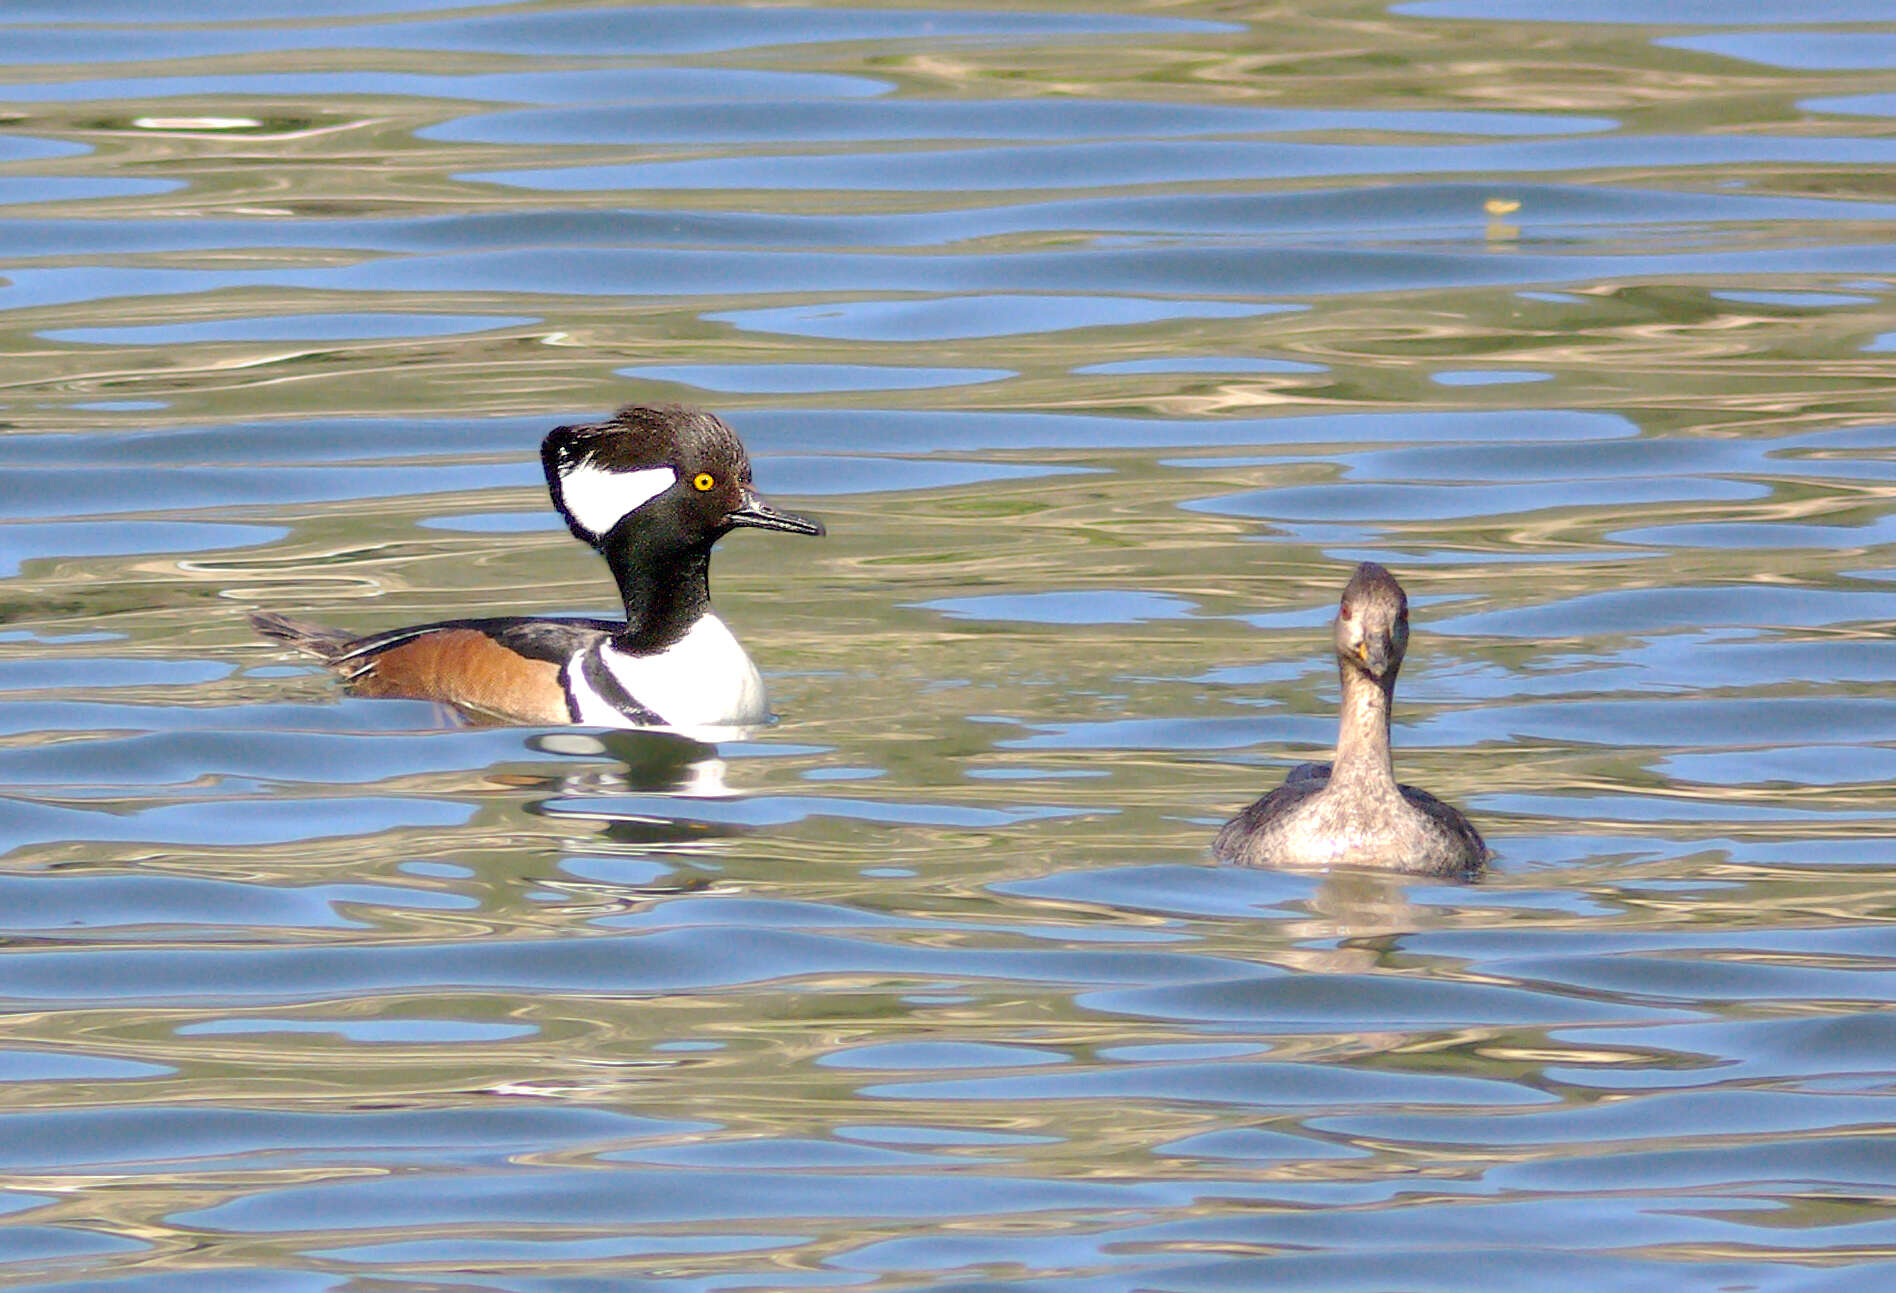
(1498, 230)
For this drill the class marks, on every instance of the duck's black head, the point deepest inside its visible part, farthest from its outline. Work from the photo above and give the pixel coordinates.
(674, 476)
(1372, 623)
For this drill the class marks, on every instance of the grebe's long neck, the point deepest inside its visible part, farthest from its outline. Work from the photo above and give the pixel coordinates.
(1362, 739)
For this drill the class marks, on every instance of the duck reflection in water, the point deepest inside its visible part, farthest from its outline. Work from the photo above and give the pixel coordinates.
(1351, 812)
(636, 787)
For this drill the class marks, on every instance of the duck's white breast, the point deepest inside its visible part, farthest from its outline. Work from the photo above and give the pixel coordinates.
(702, 680)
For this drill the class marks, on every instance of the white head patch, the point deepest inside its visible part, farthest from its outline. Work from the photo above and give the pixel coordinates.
(599, 499)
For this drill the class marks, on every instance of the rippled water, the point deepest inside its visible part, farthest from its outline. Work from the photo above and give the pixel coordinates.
(1105, 339)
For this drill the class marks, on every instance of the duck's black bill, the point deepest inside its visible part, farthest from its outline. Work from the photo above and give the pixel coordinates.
(755, 512)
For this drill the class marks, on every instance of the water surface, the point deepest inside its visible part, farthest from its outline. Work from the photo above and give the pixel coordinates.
(1106, 339)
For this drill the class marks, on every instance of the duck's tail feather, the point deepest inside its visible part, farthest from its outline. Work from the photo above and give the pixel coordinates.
(319, 640)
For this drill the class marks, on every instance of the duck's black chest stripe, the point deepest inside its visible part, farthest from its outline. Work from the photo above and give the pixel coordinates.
(608, 688)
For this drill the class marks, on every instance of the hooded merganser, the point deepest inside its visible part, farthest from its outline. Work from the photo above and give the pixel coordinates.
(1352, 812)
(650, 490)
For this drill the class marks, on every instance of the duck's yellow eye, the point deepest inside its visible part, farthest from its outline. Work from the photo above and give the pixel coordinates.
(704, 481)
